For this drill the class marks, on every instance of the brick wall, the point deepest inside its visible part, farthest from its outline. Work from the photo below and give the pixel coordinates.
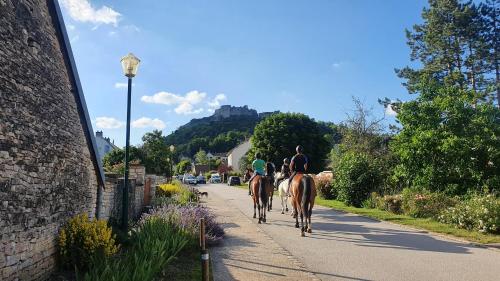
(46, 169)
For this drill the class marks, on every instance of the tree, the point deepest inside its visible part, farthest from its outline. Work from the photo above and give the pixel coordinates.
(117, 156)
(158, 155)
(447, 142)
(457, 45)
(201, 157)
(183, 166)
(277, 136)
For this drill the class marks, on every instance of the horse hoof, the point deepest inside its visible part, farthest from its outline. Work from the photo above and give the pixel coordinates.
(302, 234)
(309, 230)
(282, 212)
(259, 221)
(297, 226)
(264, 220)
(254, 216)
(286, 209)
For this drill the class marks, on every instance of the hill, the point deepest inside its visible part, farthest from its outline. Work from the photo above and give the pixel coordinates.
(228, 126)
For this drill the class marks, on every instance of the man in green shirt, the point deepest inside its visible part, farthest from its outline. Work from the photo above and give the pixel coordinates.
(258, 166)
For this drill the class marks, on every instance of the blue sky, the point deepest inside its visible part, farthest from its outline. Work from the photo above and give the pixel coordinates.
(298, 56)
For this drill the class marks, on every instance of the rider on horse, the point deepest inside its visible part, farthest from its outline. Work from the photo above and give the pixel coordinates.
(298, 164)
(270, 169)
(285, 171)
(258, 167)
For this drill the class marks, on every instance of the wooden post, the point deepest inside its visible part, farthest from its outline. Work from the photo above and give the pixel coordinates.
(205, 258)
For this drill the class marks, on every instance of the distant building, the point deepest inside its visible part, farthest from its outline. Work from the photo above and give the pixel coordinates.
(217, 156)
(234, 156)
(227, 111)
(104, 145)
(200, 169)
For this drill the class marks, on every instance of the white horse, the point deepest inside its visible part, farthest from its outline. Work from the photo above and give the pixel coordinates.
(283, 194)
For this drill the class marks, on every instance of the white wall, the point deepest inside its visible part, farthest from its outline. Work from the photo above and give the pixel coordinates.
(233, 160)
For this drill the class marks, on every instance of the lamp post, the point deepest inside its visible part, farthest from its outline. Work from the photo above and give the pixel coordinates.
(130, 63)
(172, 149)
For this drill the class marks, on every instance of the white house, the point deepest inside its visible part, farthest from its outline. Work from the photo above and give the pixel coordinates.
(217, 156)
(234, 156)
(104, 145)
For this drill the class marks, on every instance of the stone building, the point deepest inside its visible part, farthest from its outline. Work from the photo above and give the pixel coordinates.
(227, 111)
(49, 168)
(104, 145)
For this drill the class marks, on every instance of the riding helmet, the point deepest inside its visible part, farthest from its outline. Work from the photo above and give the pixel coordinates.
(286, 161)
(257, 155)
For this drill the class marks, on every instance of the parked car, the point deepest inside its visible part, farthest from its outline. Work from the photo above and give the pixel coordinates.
(189, 179)
(215, 178)
(201, 179)
(234, 180)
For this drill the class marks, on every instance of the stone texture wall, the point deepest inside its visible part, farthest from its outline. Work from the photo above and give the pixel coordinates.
(46, 169)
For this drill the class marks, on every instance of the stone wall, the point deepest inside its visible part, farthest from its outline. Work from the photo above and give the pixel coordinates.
(47, 173)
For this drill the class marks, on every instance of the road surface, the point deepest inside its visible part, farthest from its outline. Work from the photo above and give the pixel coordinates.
(341, 247)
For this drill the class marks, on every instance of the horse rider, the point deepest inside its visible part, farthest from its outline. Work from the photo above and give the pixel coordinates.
(270, 169)
(258, 166)
(285, 171)
(298, 165)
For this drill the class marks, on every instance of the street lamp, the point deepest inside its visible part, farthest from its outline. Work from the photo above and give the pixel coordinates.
(130, 63)
(172, 149)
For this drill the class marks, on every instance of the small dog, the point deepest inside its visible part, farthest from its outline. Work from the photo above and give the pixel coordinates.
(204, 193)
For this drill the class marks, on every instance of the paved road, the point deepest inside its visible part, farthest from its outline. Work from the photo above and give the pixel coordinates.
(349, 247)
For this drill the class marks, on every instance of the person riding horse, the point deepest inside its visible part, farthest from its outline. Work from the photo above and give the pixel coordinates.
(298, 164)
(285, 171)
(270, 169)
(258, 167)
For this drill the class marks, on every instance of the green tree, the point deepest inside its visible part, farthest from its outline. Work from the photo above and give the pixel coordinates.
(157, 153)
(447, 142)
(457, 45)
(117, 156)
(277, 136)
(183, 166)
(201, 157)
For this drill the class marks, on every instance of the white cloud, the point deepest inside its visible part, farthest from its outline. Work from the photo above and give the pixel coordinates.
(184, 104)
(145, 122)
(336, 65)
(215, 102)
(108, 123)
(74, 39)
(119, 85)
(390, 111)
(82, 10)
(71, 27)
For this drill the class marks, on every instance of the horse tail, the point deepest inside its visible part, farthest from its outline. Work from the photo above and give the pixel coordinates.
(262, 190)
(306, 195)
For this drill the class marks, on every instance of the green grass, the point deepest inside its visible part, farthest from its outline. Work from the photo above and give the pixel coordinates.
(427, 224)
(186, 267)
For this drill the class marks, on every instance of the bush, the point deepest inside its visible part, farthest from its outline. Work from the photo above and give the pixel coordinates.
(168, 190)
(391, 203)
(324, 186)
(425, 204)
(481, 213)
(81, 239)
(188, 218)
(355, 178)
(154, 244)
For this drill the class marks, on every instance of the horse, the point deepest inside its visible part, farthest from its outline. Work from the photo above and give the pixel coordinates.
(260, 197)
(269, 187)
(283, 194)
(303, 195)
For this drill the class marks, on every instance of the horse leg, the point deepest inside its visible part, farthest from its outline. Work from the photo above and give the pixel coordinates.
(302, 229)
(271, 203)
(296, 218)
(309, 225)
(260, 216)
(254, 207)
(282, 205)
(286, 203)
(264, 211)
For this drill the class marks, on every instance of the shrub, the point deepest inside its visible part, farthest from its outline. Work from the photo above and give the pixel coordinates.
(324, 186)
(355, 178)
(154, 244)
(425, 204)
(481, 213)
(168, 190)
(188, 218)
(82, 239)
(391, 203)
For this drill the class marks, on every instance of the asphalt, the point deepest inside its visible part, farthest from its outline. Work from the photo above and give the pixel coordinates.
(350, 247)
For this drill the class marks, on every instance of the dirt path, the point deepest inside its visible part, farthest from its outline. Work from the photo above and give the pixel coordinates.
(247, 252)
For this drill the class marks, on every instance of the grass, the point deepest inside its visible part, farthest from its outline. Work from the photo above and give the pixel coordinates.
(186, 267)
(427, 224)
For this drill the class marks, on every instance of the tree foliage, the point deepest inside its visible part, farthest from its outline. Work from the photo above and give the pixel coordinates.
(277, 136)
(447, 142)
(157, 153)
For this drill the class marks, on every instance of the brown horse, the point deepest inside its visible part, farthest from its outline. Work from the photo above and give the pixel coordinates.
(260, 197)
(303, 192)
(269, 191)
